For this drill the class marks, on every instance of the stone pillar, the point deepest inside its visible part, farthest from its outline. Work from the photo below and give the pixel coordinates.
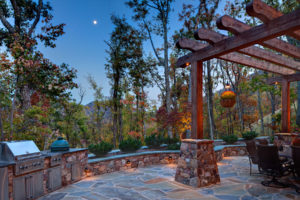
(197, 165)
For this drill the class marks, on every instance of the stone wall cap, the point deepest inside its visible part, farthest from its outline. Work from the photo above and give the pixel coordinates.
(94, 160)
(287, 134)
(196, 141)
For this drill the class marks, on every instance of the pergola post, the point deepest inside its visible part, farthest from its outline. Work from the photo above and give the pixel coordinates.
(197, 100)
(285, 106)
(197, 164)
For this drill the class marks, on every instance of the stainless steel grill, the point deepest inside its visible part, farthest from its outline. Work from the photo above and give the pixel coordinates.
(25, 154)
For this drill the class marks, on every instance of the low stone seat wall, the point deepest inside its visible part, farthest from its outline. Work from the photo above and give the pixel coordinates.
(97, 166)
(110, 164)
(222, 151)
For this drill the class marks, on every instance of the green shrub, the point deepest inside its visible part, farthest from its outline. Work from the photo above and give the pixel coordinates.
(230, 139)
(174, 146)
(249, 135)
(101, 148)
(154, 141)
(130, 145)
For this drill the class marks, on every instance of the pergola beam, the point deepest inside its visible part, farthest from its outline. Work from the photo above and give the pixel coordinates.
(279, 79)
(284, 24)
(266, 13)
(237, 27)
(213, 37)
(236, 58)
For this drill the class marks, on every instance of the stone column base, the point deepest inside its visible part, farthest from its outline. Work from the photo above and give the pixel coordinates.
(197, 165)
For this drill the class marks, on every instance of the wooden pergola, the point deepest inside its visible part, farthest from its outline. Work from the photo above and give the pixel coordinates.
(240, 49)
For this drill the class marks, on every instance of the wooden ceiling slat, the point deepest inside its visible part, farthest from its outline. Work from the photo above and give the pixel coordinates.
(237, 27)
(274, 28)
(266, 13)
(193, 45)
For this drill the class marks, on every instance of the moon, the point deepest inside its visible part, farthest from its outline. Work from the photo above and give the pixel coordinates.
(95, 22)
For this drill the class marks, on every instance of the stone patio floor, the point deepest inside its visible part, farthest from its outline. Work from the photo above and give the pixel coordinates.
(157, 182)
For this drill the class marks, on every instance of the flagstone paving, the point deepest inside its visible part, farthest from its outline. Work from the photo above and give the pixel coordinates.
(157, 183)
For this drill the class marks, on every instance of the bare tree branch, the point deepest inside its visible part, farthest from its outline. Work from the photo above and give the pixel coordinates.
(37, 19)
(17, 14)
(7, 25)
(161, 63)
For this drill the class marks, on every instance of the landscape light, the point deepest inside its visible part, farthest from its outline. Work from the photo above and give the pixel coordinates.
(227, 86)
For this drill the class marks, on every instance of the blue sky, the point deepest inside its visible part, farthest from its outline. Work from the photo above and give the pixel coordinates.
(83, 47)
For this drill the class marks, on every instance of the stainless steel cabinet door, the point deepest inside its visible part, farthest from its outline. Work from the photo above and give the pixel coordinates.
(37, 184)
(19, 188)
(4, 183)
(76, 171)
(54, 178)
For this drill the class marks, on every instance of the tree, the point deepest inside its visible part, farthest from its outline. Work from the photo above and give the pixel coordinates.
(122, 45)
(29, 70)
(140, 78)
(99, 107)
(26, 14)
(153, 17)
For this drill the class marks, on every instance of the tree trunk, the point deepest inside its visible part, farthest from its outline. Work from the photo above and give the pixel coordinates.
(11, 116)
(298, 104)
(273, 109)
(167, 74)
(240, 109)
(210, 103)
(120, 124)
(115, 125)
(1, 126)
(261, 114)
(137, 112)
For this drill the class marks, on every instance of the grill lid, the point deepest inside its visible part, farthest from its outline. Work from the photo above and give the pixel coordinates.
(22, 148)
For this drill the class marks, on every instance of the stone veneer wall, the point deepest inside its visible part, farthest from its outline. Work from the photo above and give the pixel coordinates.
(10, 181)
(197, 165)
(133, 160)
(119, 162)
(68, 159)
(230, 150)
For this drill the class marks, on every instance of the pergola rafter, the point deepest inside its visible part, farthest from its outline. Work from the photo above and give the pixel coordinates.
(213, 37)
(236, 27)
(234, 57)
(239, 49)
(266, 13)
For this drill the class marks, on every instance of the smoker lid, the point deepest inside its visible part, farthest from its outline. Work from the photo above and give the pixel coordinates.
(19, 148)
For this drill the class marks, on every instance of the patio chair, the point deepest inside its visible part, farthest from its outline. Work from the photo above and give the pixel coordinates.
(271, 165)
(296, 159)
(252, 154)
(263, 141)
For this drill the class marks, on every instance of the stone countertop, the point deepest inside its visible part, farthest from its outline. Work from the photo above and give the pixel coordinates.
(131, 155)
(6, 163)
(48, 153)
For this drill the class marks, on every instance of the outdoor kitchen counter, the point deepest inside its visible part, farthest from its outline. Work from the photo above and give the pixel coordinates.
(6, 163)
(48, 153)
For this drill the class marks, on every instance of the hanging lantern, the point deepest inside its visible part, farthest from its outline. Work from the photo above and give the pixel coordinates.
(227, 97)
